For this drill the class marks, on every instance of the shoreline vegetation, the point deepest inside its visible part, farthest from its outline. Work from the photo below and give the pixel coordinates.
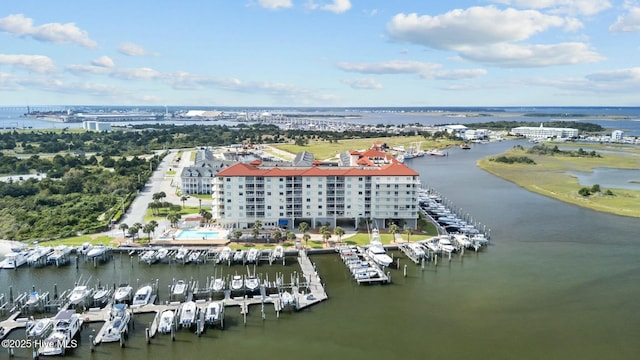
(548, 174)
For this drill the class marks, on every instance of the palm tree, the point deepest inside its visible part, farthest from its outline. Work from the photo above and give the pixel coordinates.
(408, 231)
(277, 235)
(303, 227)
(159, 196)
(207, 216)
(183, 198)
(306, 237)
(174, 218)
(137, 226)
(393, 229)
(338, 231)
(323, 229)
(148, 229)
(326, 235)
(291, 235)
(154, 225)
(124, 228)
(257, 225)
(133, 232)
(237, 234)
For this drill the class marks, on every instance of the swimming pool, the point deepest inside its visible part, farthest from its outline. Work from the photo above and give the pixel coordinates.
(197, 234)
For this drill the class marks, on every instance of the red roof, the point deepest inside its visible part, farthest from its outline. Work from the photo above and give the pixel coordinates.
(241, 169)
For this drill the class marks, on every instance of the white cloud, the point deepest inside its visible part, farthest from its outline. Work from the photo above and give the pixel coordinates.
(629, 22)
(275, 4)
(510, 55)
(576, 7)
(492, 36)
(476, 26)
(103, 61)
(131, 49)
(363, 84)
(56, 33)
(628, 75)
(423, 69)
(338, 6)
(35, 63)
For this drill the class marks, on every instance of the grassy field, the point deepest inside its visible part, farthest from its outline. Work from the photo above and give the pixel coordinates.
(550, 177)
(325, 150)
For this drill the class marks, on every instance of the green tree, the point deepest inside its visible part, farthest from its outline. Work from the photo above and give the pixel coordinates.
(257, 226)
(237, 234)
(124, 228)
(339, 232)
(393, 229)
(174, 218)
(303, 227)
(276, 234)
(326, 235)
(409, 232)
(306, 237)
(183, 198)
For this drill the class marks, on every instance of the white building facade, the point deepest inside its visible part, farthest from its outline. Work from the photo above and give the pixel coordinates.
(284, 196)
(542, 132)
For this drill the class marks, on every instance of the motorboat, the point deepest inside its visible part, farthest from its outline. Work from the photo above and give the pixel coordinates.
(253, 255)
(237, 283)
(436, 152)
(367, 273)
(66, 325)
(14, 259)
(179, 290)
(33, 300)
(251, 283)
(214, 314)
(123, 293)
(142, 296)
(80, 294)
(225, 254)
(101, 296)
(376, 250)
(38, 255)
(162, 254)
(218, 284)
(59, 255)
(278, 252)
(181, 254)
(465, 146)
(445, 244)
(238, 256)
(166, 321)
(149, 257)
(96, 252)
(462, 240)
(188, 312)
(194, 256)
(40, 329)
(287, 301)
(118, 324)
(417, 250)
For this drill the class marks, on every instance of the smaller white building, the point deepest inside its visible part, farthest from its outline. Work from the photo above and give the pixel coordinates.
(96, 126)
(617, 135)
(542, 132)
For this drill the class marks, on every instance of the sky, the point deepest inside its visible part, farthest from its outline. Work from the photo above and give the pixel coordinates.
(320, 53)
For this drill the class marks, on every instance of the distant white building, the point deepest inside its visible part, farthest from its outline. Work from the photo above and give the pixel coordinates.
(476, 134)
(617, 135)
(96, 126)
(542, 132)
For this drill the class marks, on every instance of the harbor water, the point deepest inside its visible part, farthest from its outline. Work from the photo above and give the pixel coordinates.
(557, 282)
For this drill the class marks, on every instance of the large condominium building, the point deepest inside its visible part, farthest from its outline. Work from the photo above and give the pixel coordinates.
(369, 185)
(542, 132)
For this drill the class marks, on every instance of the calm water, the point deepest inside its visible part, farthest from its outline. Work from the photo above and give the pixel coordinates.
(611, 178)
(558, 282)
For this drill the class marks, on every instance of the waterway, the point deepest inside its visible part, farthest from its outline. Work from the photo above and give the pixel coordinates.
(557, 282)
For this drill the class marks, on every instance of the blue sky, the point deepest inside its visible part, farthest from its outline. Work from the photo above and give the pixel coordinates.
(320, 52)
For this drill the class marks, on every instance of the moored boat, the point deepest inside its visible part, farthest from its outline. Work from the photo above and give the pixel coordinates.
(40, 329)
(123, 293)
(376, 250)
(142, 296)
(214, 314)
(118, 324)
(166, 321)
(66, 326)
(188, 312)
(80, 295)
(179, 290)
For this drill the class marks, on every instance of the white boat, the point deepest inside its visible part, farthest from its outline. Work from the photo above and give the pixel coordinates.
(214, 313)
(436, 152)
(194, 256)
(179, 290)
(149, 257)
(38, 254)
(417, 250)
(253, 255)
(278, 252)
(123, 293)
(218, 285)
(80, 294)
(188, 314)
(376, 250)
(238, 256)
(101, 296)
(34, 300)
(40, 329)
(14, 260)
(166, 321)
(366, 273)
(225, 254)
(84, 248)
(252, 283)
(96, 251)
(161, 254)
(445, 244)
(142, 296)
(66, 325)
(237, 283)
(181, 254)
(462, 240)
(59, 255)
(287, 301)
(118, 323)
